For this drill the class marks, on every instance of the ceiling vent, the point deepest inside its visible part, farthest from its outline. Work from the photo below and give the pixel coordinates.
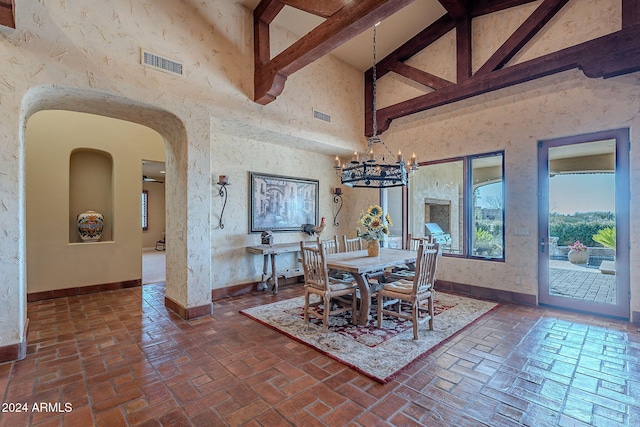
(159, 63)
(321, 116)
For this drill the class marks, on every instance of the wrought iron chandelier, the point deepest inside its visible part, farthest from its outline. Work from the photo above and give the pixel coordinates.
(376, 171)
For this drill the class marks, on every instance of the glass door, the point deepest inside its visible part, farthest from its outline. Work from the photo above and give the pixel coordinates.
(583, 228)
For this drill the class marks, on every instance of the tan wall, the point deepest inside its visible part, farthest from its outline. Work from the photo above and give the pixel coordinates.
(56, 259)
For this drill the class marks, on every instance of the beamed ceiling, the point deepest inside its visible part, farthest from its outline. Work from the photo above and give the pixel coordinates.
(612, 55)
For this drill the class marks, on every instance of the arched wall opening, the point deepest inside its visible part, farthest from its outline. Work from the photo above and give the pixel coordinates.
(168, 125)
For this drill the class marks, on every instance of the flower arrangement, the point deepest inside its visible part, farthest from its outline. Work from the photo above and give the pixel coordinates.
(578, 246)
(376, 223)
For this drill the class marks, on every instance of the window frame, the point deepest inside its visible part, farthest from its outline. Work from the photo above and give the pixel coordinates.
(144, 199)
(467, 205)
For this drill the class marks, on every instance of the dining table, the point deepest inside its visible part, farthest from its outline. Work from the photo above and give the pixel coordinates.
(361, 266)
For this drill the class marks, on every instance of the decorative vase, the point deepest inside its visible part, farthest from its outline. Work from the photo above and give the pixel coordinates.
(373, 248)
(578, 257)
(90, 226)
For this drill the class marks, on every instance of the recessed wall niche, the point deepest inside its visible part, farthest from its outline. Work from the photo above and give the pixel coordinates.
(90, 188)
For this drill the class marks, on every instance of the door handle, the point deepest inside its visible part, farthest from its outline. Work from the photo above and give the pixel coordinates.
(542, 244)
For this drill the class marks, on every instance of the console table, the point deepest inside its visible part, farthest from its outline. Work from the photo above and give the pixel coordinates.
(272, 251)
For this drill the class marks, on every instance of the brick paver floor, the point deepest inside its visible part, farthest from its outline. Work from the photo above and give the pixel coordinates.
(582, 283)
(121, 359)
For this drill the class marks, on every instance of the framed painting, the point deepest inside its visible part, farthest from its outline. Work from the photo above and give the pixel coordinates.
(281, 203)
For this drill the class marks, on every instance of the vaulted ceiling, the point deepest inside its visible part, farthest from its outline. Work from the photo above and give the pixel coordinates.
(607, 56)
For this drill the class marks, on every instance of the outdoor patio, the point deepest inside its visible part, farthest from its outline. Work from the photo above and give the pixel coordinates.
(581, 282)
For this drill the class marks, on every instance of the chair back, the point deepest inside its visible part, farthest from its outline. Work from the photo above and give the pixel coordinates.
(315, 266)
(331, 246)
(351, 245)
(414, 242)
(426, 265)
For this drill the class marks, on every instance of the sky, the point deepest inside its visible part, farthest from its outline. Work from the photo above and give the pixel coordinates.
(568, 194)
(573, 193)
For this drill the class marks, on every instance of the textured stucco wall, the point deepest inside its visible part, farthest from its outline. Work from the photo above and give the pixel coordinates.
(514, 121)
(85, 56)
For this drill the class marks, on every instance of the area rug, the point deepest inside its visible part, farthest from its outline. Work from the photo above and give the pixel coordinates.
(380, 354)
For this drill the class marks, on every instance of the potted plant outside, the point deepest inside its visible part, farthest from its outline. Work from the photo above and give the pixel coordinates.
(578, 253)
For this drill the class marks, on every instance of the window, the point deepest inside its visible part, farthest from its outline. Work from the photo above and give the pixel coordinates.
(145, 210)
(460, 203)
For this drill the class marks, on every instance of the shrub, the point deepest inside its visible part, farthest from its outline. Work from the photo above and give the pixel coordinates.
(568, 232)
(606, 237)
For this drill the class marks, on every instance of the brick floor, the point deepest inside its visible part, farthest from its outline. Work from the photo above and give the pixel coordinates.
(120, 358)
(587, 284)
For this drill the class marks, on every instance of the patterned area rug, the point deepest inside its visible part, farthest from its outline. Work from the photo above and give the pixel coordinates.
(377, 353)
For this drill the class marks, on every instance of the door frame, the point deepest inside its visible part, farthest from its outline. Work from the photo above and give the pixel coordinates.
(622, 206)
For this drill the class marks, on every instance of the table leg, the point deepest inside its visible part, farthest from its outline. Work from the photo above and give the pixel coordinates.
(265, 271)
(365, 298)
(274, 275)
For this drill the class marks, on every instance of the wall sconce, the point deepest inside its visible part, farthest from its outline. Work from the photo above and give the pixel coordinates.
(337, 198)
(223, 181)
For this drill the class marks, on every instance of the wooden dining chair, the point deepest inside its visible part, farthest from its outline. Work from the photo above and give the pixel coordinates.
(407, 272)
(414, 242)
(331, 246)
(329, 290)
(351, 245)
(417, 295)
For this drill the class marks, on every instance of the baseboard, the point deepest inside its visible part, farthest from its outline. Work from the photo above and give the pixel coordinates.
(18, 351)
(635, 317)
(188, 313)
(82, 290)
(245, 288)
(487, 293)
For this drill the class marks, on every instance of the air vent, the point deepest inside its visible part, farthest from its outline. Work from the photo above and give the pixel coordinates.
(321, 116)
(159, 63)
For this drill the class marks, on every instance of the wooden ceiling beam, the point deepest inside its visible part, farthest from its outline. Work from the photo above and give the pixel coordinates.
(420, 41)
(417, 75)
(463, 49)
(356, 17)
(607, 56)
(267, 10)
(529, 28)
(630, 13)
(456, 8)
(324, 8)
(7, 13)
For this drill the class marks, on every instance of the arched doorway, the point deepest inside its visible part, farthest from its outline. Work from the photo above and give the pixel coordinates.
(168, 125)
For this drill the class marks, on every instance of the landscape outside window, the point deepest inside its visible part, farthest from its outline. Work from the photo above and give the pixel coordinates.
(470, 208)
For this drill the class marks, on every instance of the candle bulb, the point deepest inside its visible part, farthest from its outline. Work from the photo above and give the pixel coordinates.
(337, 162)
(356, 157)
(371, 157)
(223, 179)
(399, 156)
(414, 159)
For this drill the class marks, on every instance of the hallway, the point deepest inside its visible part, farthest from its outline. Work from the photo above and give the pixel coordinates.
(119, 358)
